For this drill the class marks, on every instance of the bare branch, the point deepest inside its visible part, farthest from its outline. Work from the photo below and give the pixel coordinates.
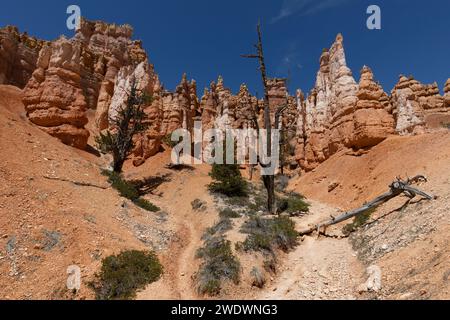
(397, 188)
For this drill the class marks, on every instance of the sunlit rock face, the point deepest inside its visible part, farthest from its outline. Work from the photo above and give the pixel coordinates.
(18, 56)
(93, 73)
(447, 94)
(372, 122)
(54, 98)
(414, 103)
(73, 75)
(328, 110)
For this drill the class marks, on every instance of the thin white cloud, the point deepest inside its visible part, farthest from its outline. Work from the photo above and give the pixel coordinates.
(305, 7)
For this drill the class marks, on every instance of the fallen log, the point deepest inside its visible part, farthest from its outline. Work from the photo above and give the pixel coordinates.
(397, 188)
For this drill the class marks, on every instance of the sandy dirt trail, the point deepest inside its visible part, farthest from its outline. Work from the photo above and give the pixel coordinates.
(322, 268)
(181, 264)
(319, 268)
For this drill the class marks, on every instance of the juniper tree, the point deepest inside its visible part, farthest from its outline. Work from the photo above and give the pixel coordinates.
(129, 121)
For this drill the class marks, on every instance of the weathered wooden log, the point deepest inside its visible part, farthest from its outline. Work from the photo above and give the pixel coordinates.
(396, 188)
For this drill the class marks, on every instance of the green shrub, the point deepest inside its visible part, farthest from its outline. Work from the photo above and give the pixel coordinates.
(267, 234)
(129, 191)
(221, 227)
(125, 189)
(122, 275)
(146, 205)
(297, 204)
(228, 180)
(228, 213)
(293, 204)
(219, 264)
(258, 241)
(259, 280)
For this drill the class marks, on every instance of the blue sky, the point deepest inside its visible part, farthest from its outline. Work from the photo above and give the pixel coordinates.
(206, 37)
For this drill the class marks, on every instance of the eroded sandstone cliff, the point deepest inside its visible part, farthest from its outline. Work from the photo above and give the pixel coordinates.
(18, 56)
(97, 67)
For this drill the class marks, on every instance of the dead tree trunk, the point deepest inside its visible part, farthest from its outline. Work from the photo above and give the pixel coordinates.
(269, 180)
(396, 188)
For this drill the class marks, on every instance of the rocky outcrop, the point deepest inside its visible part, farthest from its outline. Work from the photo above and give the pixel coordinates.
(413, 103)
(180, 108)
(18, 56)
(340, 113)
(447, 94)
(92, 71)
(371, 120)
(107, 48)
(328, 112)
(54, 98)
(97, 67)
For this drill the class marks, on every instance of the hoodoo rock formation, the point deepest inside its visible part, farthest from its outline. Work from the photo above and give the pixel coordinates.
(95, 70)
(328, 110)
(54, 97)
(372, 122)
(81, 74)
(414, 103)
(447, 94)
(339, 113)
(18, 56)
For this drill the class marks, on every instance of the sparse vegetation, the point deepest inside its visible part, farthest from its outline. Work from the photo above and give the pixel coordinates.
(258, 278)
(219, 264)
(129, 191)
(122, 275)
(228, 180)
(446, 125)
(146, 205)
(130, 121)
(358, 222)
(270, 265)
(229, 214)
(294, 204)
(267, 234)
(221, 227)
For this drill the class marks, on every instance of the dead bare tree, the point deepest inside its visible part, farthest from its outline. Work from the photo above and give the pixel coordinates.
(269, 180)
(397, 188)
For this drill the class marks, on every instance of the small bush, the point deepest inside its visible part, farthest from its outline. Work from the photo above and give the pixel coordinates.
(258, 278)
(146, 205)
(358, 222)
(219, 264)
(128, 190)
(267, 234)
(125, 189)
(228, 180)
(229, 214)
(446, 125)
(270, 265)
(122, 275)
(294, 204)
(221, 227)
